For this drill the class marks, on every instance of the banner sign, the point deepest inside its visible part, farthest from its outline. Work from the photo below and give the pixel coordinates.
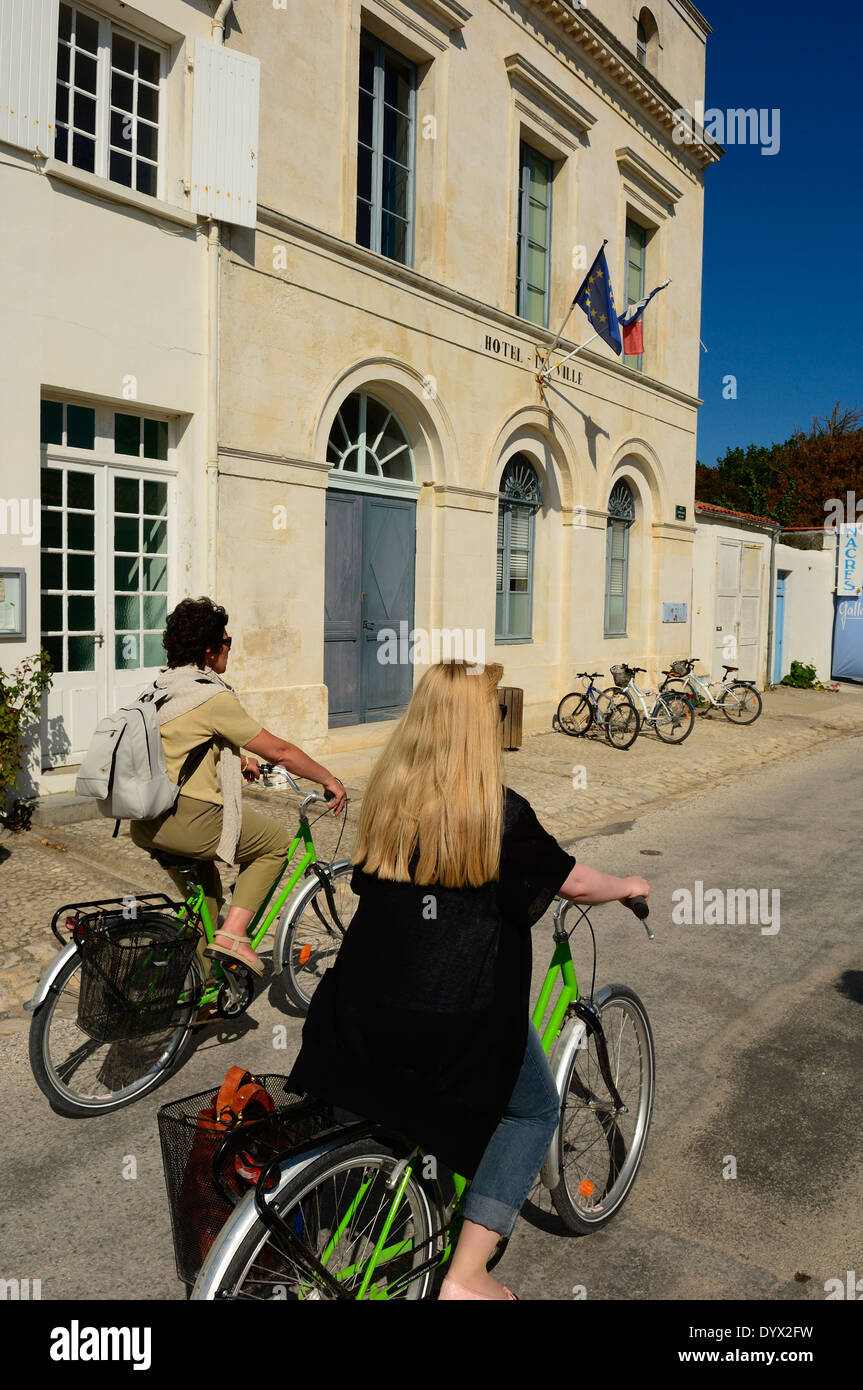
(848, 639)
(849, 579)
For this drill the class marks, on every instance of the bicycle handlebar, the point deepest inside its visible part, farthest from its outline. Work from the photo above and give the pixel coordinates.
(639, 906)
(588, 675)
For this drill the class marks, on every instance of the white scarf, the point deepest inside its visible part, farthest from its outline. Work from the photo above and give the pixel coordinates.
(188, 687)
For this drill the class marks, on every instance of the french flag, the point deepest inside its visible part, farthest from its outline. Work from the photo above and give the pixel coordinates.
(630, 322)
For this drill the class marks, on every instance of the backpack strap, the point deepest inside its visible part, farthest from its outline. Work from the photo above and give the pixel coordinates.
(192, 762)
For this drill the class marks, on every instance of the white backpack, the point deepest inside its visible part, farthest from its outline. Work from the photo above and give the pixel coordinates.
(124, 768)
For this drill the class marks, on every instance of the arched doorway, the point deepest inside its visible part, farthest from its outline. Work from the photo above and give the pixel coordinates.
(370, 558)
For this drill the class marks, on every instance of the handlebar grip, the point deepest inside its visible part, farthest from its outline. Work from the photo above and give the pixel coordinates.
(329, 796)
(638, 906)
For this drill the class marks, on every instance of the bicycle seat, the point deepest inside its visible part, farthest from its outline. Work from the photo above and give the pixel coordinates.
(173, 861)
(730, 668)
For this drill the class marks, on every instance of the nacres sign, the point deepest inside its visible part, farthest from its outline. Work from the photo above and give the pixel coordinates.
(849, 577)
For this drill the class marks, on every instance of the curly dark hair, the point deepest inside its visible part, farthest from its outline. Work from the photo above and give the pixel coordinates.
(194, 625)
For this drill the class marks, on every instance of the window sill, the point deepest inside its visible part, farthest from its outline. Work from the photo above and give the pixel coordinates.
(511, 641)
(117, 192)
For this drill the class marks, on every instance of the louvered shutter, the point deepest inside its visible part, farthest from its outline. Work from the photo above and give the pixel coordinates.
(28, 73)
(519, 550)
(225, 134)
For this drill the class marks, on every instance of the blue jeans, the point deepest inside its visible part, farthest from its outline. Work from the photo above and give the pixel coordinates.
(516, 1151)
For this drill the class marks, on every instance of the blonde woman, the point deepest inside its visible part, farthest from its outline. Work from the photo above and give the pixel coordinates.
(423, 1021)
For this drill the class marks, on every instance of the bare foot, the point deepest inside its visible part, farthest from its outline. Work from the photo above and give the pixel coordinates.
(483, 1284)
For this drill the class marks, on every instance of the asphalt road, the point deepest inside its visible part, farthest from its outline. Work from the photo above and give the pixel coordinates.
(759, 1052)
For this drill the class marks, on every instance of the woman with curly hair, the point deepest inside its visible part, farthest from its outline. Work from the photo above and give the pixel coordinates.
(203, 728)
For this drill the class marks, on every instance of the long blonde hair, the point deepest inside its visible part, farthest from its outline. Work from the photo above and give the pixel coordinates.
(438, 784)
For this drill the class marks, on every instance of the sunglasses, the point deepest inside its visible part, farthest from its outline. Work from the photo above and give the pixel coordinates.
(226, 642)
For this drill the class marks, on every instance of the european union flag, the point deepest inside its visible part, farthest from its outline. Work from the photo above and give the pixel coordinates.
(597, 300)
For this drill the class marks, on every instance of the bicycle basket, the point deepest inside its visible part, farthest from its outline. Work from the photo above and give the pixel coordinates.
(130, 983)
(620, 675)
(209, 1165)
(681, 668)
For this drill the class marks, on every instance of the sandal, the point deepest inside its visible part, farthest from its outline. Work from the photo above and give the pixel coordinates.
(232, 953)
(452, 1289)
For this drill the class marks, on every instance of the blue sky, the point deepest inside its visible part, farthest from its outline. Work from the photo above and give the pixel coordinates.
(776, 303)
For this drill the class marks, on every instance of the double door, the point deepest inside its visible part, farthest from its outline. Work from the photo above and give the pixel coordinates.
(737, 617)
(369, 594)
(105, 589)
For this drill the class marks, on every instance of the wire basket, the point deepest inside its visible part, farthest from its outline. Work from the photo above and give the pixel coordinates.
(620, 675)
(681, 668)
(131, 978)
(210, 1166)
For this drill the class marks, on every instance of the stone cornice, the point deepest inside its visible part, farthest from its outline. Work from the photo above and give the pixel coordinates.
(527, 78)
(449, 13)
(696, 16)
(630, 162)
(590, 36)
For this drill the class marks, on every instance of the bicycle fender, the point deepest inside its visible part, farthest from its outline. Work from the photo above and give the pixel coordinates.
(46, 984)
(295, 903)
(570, 1040)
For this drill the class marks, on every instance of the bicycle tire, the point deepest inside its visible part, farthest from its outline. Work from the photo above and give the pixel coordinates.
(575, 719)
(685, 715)
(750, 692)
(304, 964)
(62, 1098)
(612, 1173)
(258, 1269)
(622, 724)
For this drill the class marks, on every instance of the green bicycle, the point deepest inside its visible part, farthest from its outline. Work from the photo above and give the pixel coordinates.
(85, 1074)
(359, 1212)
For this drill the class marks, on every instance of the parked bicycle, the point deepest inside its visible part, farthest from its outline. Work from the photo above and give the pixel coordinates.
(359, 1211)
(606, 709)
(115, 1012)
(669, 714)
(739, 701)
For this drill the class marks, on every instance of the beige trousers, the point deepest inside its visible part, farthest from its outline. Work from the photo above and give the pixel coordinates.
(195, 828)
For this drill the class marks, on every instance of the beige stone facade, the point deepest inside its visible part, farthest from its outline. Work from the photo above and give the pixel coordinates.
(309, 317)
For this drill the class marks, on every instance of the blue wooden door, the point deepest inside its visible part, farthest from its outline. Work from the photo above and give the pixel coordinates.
(779, 624)
(369, 590)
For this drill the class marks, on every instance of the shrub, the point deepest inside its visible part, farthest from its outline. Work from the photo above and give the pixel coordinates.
(21, 694)
(804, 677)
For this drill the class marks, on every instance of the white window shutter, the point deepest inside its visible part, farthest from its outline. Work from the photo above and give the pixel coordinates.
(28, 73)
(225, 134)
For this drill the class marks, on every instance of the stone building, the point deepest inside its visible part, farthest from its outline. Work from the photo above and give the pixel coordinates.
(306, 312)
(435, 180)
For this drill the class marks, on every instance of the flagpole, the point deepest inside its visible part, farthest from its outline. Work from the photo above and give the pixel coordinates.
(571, 307)
(548, 370)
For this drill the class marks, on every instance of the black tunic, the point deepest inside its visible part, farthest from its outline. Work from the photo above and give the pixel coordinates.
(421, 1023)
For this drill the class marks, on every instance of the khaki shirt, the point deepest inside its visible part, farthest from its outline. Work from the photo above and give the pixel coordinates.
(222, 715)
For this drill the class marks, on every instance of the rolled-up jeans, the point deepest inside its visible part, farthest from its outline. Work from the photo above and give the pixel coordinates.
(516, 1151)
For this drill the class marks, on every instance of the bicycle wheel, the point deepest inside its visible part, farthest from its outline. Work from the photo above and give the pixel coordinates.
(337, 1207)
(313, 936)
(599, 1151)
(673, 719)
(575, 714)
(622, 721)
(81, 1077)
(741, 704)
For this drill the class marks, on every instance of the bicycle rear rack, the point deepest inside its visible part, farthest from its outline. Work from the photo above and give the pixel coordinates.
(160, 900)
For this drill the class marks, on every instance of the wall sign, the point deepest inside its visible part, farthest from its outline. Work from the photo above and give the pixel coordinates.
(849, 579)
(674, 612)
(680, 513)
(13, 607)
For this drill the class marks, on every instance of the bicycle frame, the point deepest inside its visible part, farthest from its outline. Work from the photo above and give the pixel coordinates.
(632, 689)
(195, 907)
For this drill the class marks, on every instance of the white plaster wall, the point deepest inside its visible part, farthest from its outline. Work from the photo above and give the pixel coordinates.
(808, 626)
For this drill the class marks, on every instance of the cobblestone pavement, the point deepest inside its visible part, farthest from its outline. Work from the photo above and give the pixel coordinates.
(576, 786)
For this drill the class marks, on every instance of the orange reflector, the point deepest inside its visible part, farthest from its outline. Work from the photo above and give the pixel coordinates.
(585, 1188)
(304, 954)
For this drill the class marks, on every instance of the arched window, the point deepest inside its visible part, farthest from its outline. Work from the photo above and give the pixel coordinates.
(646, 39)
(519, 499)
(368, 440)
(621, 515)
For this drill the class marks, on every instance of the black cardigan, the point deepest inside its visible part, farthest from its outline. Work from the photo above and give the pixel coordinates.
(421, 1023)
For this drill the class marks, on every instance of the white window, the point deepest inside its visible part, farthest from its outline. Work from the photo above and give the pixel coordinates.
(109, 101)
